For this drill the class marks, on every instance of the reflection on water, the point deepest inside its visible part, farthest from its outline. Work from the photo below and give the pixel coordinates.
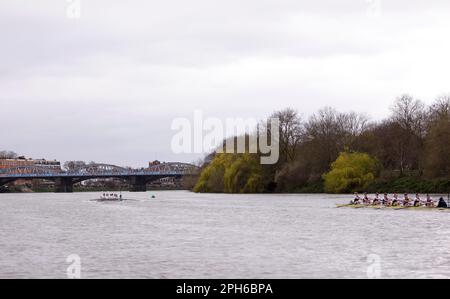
(186, 235)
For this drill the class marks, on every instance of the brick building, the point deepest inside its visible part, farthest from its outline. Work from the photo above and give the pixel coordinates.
(22, 161)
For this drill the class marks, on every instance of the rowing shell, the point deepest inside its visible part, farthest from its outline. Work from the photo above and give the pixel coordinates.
(378, 207)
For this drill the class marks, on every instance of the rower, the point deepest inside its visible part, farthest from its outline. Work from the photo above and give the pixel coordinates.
(417, 201)
(395, 202)
(442, 203)
(406, 201)
(376, 200)
(429, 202)
(386, 200)
(357, 199)
(366, 199)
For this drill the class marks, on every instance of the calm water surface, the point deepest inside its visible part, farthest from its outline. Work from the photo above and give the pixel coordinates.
(185, 235)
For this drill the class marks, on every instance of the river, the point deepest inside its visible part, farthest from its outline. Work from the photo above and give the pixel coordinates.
(180, 234)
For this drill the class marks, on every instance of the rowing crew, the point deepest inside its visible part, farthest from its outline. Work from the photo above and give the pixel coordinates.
(395, 201)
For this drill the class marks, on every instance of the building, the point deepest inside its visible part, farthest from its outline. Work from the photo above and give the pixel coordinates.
(154, 163)
(22, 161)
(49, 164)
(12, 163)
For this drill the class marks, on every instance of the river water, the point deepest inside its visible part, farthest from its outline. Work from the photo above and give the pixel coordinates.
(185, 235)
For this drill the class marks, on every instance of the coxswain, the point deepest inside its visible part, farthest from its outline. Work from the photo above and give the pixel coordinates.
(442, 203)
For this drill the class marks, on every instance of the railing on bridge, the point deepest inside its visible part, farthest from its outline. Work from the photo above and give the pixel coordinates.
(97, 170)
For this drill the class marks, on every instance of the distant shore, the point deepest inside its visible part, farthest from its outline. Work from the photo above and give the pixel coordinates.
(409, 185)
(21, 189)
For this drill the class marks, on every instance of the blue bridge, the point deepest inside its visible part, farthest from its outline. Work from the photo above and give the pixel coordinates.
(64, 180)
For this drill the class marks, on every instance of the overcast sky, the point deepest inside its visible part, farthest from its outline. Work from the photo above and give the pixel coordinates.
(106, 86)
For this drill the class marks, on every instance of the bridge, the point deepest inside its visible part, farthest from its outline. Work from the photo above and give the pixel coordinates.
(64, 180)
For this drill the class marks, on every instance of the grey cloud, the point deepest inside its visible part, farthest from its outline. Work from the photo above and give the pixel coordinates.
(115, 78)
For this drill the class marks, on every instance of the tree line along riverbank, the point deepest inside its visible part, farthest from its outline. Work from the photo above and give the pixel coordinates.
(343, 152)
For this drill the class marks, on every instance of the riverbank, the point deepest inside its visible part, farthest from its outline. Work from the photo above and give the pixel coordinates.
(411, 185)
(398, 185)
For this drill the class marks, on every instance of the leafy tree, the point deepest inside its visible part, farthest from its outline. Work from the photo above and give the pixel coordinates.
(211, 178)
(232, 173)
(243, 175)
(350, 171)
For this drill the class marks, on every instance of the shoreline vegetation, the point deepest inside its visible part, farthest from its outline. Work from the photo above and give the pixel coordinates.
(335, 152)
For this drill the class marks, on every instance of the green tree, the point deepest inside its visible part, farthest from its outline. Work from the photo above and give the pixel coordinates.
(232, 173)
(243, 175)
(350, 171)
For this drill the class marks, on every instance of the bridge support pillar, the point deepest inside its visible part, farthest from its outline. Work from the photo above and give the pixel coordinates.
(64, 185)
(138, 184)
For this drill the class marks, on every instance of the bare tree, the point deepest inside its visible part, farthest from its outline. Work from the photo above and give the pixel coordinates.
(441, 108)
(8, 155)
(410, 114)
(291, 132)
(437, 143)
(353, 124)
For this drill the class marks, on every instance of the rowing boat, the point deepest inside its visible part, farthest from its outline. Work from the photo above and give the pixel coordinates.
(380, 207)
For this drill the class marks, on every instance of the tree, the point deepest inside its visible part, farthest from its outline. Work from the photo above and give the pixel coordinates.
(293, 176)
(440, 109)
(437, 143)
(409, 114)
(291, 132)
(8, 155)
(384, 141)
(243, 175)
(327, 134)
(231, 173)
(350, 171)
